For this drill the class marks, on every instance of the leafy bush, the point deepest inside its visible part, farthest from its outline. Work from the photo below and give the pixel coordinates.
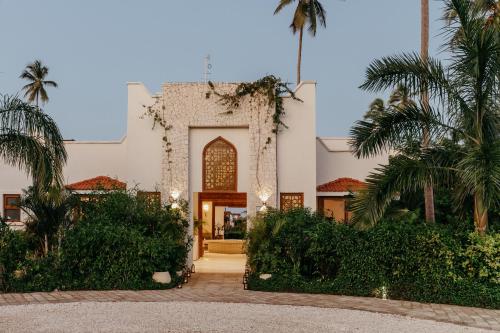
(119, 242)
(412, 260)
(38, 274)
(481, 258)
(13, 249)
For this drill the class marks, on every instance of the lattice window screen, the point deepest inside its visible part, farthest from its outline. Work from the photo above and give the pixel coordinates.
(291, 200)
(152, 198)
(219, 166)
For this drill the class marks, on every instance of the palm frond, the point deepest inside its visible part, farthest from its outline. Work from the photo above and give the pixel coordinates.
(299, 17)
(320, 12)
(402, 174)
(281, 5)
(50, 83)
(388, 129)
(312, 16)
(31, 140)
(407, 70)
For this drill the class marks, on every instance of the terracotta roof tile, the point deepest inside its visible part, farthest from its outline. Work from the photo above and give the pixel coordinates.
(97, 183)
(342, 185)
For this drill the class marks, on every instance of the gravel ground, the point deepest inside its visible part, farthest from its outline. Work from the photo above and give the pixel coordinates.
(206, 317)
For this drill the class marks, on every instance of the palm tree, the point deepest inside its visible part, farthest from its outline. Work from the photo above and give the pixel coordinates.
(307, 12)
(424, 54)
(50, 212)
(465, 111)
(31, 141)
(35, 73)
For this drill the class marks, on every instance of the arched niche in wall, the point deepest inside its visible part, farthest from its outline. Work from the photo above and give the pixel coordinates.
(220, 166)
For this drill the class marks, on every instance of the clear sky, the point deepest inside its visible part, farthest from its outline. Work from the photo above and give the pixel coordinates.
(94, 47)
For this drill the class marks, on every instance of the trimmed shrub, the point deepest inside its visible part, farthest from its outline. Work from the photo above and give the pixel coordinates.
(13, 249)
(120, 241)
(407, 259)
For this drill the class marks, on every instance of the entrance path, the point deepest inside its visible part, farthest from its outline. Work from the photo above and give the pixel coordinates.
(221, 263)
(228, 288)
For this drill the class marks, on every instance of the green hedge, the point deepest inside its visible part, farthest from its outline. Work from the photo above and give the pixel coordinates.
(414, 261)
(13, 248)
(119, 242)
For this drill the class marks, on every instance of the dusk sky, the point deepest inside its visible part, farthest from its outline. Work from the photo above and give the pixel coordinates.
(94, 47)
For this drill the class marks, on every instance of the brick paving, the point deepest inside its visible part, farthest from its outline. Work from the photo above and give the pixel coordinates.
(208, 287)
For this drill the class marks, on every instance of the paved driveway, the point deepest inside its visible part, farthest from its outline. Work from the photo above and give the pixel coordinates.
(208, 317)
(227, 288)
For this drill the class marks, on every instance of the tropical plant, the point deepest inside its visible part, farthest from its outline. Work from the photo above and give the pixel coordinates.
(50, 212)
(308, 12)
(35, 73)
(30, 140)
(463, 121)
(489, 10)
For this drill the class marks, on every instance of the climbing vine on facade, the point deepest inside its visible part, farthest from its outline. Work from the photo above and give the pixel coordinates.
(159, 119)
(269, 86)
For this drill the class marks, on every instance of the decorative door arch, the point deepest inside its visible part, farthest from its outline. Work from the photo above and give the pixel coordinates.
(220, 166)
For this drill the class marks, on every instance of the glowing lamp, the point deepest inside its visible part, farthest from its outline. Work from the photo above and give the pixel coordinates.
(175, 195)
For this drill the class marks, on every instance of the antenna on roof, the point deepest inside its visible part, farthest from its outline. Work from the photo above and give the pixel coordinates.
(207, 71)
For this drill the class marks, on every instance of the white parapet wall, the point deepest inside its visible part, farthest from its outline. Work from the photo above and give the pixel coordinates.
(336, 160)
(297, 145)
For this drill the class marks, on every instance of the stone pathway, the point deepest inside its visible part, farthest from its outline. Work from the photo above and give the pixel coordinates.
(228, 288)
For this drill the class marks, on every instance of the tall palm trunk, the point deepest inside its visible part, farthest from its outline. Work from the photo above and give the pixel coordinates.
(424, 54)
(480, 214)
(46, 244)
(299, 60)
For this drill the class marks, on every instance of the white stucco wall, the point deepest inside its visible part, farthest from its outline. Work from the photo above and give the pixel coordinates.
(297, 145)
(89, 159)
(200, 137)
(335, 160)
(144, 150)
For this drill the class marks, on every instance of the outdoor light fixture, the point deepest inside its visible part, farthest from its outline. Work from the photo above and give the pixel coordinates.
(384, 292)
(206, 207)
(264, 195)
(175, 195)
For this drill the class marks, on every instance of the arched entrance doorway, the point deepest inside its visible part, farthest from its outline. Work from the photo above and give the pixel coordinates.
(220, 205)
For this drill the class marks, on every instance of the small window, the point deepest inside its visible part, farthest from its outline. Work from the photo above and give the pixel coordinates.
(152, 198)
(11, 210)
(291, 200)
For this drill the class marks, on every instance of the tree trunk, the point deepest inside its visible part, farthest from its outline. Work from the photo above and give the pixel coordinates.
(424, 54)
(46, 249)
(299, 60)
(480, 214)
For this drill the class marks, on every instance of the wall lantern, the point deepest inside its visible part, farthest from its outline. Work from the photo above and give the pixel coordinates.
(175, 195)
(206, 207)
(264, 194)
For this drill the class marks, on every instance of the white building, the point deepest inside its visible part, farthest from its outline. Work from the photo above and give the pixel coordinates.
(213, 159)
